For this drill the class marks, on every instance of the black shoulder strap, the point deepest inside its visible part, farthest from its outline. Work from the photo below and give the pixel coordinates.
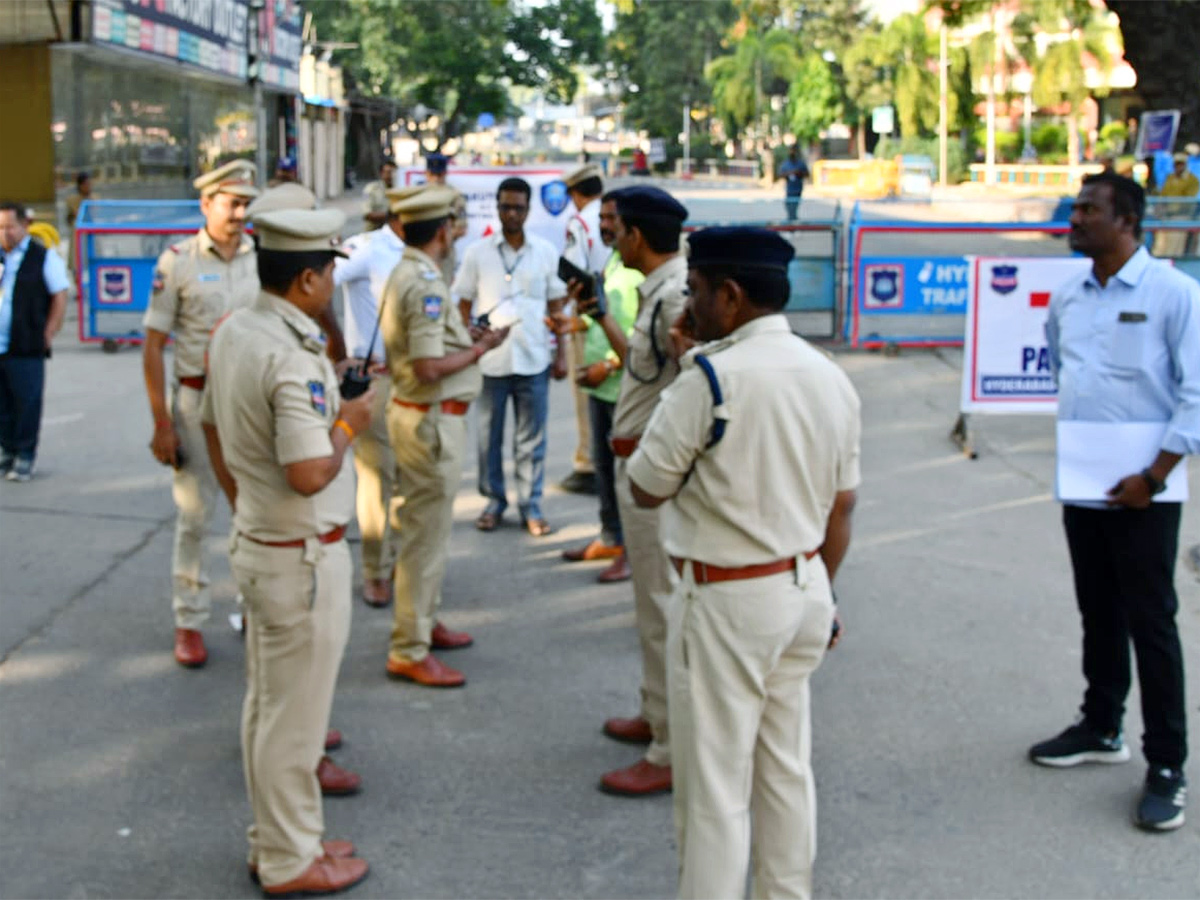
(719, 420)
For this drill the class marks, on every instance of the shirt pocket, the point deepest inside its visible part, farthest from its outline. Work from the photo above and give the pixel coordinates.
(1129, 345)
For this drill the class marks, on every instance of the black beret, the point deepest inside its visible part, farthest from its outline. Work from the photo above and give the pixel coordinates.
(436, 163)
(739, 246)
(648, 202)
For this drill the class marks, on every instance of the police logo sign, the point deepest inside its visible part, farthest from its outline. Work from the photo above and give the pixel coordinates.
(555, 197)
(884, 286)
(116, 284)
(1004, 279)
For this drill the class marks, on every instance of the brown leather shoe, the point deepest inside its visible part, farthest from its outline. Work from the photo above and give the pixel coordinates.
(335, 849)
(336, 781)
(639, 780)
(442, 638)
(430, 671)
(377, 592)
(595, 549)
(333, 739)
(629, 731)
(617, 571)
(189, 648)
(326, 875)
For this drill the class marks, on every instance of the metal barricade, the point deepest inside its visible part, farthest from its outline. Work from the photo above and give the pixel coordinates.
(815, 272)
(117, 244)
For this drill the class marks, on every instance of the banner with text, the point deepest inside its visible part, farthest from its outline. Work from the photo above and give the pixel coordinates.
(210, 34)
(1006, 363)
(912, 285)
(549, 206)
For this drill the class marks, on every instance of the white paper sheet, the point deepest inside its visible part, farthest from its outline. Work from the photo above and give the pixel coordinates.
(1094, 456)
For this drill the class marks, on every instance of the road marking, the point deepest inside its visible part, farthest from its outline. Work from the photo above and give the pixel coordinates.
(62, 420)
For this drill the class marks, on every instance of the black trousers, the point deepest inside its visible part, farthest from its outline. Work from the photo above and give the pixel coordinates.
(600, 413)
(22, 382)
(1124, 565)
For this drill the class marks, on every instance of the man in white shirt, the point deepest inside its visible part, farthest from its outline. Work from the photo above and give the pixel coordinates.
(362, 277)
(512, 278)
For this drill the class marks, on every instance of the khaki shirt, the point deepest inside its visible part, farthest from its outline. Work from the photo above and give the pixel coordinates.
(194, 287)
(420, 322)
(661, 298)
(273, 396)
(791, 443)
(374, 201)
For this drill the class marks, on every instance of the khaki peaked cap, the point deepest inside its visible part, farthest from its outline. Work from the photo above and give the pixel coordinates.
(288, 195)
(433, 201)
(235, 178)
(300, 230)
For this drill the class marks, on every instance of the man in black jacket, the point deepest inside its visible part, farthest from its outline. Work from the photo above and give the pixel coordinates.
(33, 301)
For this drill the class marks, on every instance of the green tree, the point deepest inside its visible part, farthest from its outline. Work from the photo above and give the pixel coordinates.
(912, 54)
(763, 63)
(813, 99)
(1160, 38)
(459, 58)
(657, 54)
(1058, 67)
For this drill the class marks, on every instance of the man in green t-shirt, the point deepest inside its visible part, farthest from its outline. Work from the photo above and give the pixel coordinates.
(610, 317)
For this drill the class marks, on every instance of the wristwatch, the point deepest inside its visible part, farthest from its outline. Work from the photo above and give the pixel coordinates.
(1156, 486)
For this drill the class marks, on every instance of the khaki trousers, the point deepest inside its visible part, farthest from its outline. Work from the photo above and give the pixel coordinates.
(654, 580)
(582, 460)
(740, 654)
(195, 493)
(429, 450)
(297, 622)
(375, 465)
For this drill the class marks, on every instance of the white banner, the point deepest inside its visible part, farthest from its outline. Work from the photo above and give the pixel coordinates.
(1006, 363)
(549, 206)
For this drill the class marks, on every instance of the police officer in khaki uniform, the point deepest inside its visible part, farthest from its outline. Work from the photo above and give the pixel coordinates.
(757, 446)
(433, 360)
(646, 231)
(197, 281)
(277, 435)
(375, 201)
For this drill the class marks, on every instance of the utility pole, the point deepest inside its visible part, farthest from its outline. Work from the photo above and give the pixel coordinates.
(943, 106)
(687, 136)
(254, 50)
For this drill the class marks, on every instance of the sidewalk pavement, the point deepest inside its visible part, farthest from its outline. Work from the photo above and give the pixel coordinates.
(120, 773)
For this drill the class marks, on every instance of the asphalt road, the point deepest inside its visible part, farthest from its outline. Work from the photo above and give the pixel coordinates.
(120, 773)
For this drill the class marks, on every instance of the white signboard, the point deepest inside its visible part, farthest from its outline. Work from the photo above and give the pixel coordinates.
(1006, 363)
(549, 206)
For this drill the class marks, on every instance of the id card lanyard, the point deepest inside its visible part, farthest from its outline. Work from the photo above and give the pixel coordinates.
(510, 287)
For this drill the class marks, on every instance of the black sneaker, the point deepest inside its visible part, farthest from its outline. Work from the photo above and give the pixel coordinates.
(1163, 799)
(1079, 744)
(579, 483)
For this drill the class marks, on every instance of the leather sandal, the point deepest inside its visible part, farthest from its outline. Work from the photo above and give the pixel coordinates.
(487, 521)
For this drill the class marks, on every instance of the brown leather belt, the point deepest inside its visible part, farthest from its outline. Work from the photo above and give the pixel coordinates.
(329, 537)
(703, 573)
(623, 446)
(449, 407)
(195, 382)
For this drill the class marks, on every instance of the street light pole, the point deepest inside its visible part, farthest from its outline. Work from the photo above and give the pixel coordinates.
(943, 107)
(687, 136)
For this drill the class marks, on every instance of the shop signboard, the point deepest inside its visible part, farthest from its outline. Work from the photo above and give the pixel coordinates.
(209, 34)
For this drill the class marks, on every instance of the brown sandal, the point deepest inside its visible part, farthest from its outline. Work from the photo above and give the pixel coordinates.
(487, 521)
(538, 527)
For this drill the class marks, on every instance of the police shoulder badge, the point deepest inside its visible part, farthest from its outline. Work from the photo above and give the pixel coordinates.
(433, 306)
(316, 393)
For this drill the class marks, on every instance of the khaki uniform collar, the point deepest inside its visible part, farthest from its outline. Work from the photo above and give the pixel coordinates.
(420, 256)
(209, 246)
(299, 321)
(675, 267)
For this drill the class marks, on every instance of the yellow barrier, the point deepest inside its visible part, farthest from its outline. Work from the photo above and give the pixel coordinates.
(865, 178)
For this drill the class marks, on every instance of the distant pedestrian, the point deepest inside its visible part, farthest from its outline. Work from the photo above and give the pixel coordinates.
(795, 171)
(285, 172)
(83, 191)
(33, 303)
(436, 166)
(375, 201)
(1124, 344)
(512, 278)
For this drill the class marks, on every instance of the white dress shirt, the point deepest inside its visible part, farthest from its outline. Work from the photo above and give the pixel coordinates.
(373, 255)
(513, 288)
(584, 247)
